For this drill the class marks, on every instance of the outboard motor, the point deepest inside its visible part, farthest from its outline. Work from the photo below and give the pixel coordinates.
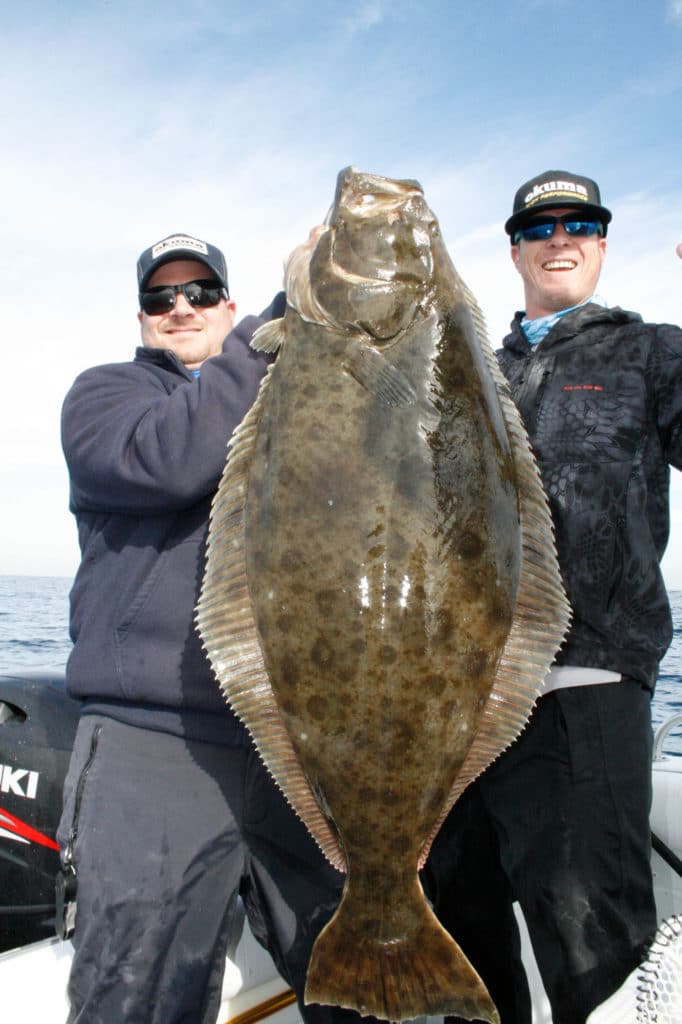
(37, 730)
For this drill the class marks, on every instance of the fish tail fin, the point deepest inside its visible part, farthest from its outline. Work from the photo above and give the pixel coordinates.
(423, 973)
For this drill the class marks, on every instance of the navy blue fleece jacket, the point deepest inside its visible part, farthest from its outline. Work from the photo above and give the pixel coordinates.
(145, 444)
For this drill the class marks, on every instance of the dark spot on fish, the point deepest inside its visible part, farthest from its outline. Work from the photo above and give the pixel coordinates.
(255, 486)
(409, 476)
(436, 800)
(345, 673)
(326, 599)
(358, 646)
(310, 390)
(475, 662)
(391, 594)
(289, 671)
(472, 588)
(470, 545)
(403, 733)
(401, 844)
(349, 570)
(291, 560)
(366, 794)
(376, 551)
(285, 622)
(258, 561)
(450, 708)
(379, 529)
(317, 708)
(288, 477)
(443, 627)
(441, 955)
(322, 653)
(501, 611)
(362, 836)
(417, 648)
(387, 654)
(391, 798)
(435, 684)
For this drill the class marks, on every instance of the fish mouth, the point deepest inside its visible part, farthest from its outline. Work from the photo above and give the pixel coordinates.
(560, 265)
(360, 192)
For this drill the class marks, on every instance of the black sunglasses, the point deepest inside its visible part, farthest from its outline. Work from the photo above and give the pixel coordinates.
(544, 227)
(198, 293)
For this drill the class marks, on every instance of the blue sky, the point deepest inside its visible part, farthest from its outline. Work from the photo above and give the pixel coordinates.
(125, 121)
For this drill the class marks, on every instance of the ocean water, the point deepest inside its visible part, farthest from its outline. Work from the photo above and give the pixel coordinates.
(34, 635)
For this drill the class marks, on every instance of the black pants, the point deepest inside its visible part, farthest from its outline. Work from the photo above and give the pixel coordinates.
(168, 832)
(560, 822)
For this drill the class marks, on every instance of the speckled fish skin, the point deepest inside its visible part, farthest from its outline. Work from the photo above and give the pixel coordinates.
(398, 594)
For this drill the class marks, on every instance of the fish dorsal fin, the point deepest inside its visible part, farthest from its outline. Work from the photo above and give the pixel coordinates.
(227, 628)
(542, 613)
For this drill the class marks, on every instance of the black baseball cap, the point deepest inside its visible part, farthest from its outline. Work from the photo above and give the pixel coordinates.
(180, 247)
(553, 189)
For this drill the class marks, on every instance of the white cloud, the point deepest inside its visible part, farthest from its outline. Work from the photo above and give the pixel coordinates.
(675, 10)
(363, 16)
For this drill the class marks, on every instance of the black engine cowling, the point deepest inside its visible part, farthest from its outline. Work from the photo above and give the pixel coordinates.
(37, 729)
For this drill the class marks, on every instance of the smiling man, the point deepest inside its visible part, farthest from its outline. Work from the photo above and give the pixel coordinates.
(564, 250)
(560, 822)
(168, 809)
(174, 315)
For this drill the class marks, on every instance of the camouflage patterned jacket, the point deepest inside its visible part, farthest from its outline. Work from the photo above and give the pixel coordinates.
(601, 398)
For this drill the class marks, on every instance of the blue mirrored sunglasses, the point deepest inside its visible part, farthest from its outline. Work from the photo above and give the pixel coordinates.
(544, 227)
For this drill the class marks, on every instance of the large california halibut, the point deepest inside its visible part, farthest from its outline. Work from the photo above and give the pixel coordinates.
(381, 599)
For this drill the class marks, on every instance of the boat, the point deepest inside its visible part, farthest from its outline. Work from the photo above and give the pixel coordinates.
(37, 727)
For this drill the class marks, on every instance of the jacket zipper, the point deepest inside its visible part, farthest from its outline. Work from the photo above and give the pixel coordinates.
(529, 395)
(73, 831)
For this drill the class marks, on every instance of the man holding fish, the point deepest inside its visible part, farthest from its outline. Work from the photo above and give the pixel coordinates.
(560, 821)
(168, 810)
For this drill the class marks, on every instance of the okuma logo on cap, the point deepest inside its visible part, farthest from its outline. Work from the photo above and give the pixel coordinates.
(547, 189)
(179, 242)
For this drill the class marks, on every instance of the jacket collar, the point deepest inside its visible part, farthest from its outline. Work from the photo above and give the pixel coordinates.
(162, 357)
(567, 327)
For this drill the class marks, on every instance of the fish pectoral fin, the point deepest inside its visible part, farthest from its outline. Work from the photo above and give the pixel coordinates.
(377, 375)
(269, 336)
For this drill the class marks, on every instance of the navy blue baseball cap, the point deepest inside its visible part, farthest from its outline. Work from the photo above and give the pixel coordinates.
(181, 247)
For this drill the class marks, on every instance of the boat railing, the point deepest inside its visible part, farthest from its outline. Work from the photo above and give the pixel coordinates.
(662, 734)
